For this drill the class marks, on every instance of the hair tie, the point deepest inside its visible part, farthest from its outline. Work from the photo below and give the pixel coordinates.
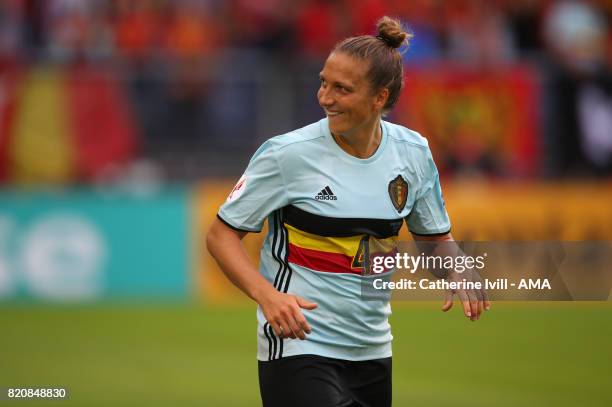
(385, 40)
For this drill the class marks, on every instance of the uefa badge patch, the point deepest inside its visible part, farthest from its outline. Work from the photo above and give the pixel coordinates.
(398, 192)
(238, 189)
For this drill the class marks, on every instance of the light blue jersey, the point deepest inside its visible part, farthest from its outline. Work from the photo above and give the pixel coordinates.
(322, 206)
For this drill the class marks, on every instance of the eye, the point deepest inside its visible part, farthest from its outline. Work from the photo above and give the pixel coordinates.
(342, 89)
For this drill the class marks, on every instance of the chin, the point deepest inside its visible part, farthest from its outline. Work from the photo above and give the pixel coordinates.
(338, 129)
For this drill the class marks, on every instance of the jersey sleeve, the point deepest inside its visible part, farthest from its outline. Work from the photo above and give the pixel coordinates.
(260, 191)
(428, 215)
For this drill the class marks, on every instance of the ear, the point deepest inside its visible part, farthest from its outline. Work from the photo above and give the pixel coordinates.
(381, 98)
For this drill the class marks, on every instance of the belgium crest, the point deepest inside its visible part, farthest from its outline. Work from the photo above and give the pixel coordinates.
(398, 192)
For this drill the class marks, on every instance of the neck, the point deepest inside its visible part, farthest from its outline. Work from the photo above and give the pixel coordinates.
(362, 142)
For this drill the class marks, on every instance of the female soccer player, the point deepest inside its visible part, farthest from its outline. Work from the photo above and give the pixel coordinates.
(327, 190)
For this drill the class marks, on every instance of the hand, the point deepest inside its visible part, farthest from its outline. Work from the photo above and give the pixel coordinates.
(473, 301)
(282, 311)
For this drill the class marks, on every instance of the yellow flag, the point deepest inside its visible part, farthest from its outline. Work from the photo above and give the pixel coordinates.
(41, 151)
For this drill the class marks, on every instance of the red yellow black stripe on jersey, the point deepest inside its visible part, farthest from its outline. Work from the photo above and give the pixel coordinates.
(333, 245)
(337, 245)
(340, 227)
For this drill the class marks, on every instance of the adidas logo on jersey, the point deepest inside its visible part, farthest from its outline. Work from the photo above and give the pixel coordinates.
(326, 194)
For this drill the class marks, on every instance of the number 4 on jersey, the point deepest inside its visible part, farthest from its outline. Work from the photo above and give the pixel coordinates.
(362, 257)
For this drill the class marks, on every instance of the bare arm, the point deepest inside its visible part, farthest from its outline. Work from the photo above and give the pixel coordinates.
(435, 238)
(281, 310)
(225, 245)
(474, 301)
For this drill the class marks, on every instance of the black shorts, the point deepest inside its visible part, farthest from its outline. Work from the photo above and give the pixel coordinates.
(310, 380)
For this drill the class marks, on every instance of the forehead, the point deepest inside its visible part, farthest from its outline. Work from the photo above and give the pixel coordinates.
(345, 68)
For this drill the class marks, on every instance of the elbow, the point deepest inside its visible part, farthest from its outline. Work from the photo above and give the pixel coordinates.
(211, 238)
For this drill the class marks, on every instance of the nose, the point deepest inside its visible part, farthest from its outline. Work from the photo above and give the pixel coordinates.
(325, 99)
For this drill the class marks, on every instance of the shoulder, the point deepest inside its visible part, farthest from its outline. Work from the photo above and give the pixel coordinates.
(403, 135)
(307, 134)
(299, 139)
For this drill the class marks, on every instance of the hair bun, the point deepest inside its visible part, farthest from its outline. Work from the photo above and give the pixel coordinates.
(391, 32)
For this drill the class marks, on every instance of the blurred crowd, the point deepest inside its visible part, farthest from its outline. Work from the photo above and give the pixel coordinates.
(474, 31)
(570, 41)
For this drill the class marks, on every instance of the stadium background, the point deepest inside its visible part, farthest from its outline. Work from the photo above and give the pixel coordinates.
(124, 124)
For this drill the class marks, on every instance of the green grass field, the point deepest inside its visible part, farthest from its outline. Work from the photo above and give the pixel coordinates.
(546, 354)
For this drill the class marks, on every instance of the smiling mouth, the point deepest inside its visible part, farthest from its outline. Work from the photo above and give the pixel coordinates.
(333, 114)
